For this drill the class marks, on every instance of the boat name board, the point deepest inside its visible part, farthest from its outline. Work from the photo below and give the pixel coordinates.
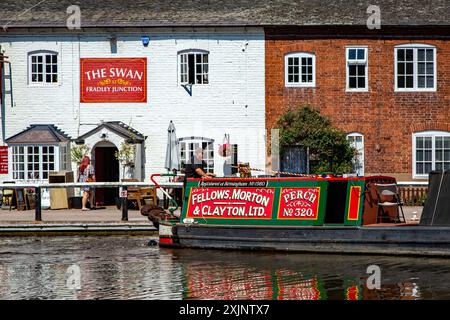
(235, 203)
(299, 203)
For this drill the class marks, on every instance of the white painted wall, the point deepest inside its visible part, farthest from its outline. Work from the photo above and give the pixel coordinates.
(233, 102)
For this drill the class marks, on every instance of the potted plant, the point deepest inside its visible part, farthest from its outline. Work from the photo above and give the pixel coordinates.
(77, 152)
(225, 150)
(125, 155)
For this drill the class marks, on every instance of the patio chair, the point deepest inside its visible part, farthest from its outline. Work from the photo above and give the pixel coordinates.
(389, 203)
(140, 195)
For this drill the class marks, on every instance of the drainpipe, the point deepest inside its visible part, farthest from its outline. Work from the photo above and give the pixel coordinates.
(3, 92)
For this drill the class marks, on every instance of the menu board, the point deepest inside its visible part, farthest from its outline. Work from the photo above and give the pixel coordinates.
(3, 160)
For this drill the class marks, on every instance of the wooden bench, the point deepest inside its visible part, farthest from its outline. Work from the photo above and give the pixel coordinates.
(140, 195)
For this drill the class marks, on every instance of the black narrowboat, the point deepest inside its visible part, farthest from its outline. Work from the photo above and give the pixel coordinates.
(320, 215)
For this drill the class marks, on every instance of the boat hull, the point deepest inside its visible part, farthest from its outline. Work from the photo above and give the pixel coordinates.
(392, 240)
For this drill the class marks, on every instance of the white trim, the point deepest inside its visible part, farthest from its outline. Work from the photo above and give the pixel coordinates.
(197, 140)
(412, 183)
(415, 45)
(195, 52)
(40, 155)
(10, 163)
(364, 61)
(358, 134)
(431, 134)
(43, 53)
(299, 84)
(415, 88)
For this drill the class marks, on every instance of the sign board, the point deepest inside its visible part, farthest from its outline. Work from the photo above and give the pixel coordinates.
(3, 160)
(234, 203)
(299, 203)
(20, 199)
(123, 193)
(113, 80)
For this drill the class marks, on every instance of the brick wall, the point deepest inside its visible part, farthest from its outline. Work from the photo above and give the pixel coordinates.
(386, 118)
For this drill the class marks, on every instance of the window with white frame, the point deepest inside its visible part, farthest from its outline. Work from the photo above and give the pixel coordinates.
(33, 162)
(431, 151)
(190, 144)
(415, 68)
(64, 160)
(356, 140)
(43, 67)
(357, 69)
(194, 67)
(18, 163)
(300, 69)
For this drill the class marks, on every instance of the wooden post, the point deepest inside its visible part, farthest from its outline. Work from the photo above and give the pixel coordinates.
(124, 203)
(37, 210)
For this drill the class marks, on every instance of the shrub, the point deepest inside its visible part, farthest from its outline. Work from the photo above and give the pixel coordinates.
(329, 148)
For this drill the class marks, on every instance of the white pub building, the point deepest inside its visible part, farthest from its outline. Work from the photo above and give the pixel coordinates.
(122, 77)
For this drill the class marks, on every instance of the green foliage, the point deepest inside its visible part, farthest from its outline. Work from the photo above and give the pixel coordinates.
(77, 152)
(328, 146)
(125, 154)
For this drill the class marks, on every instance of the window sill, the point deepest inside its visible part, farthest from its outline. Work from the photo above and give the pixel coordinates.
(194, 85)
(39, 85)
(356, 90)
(300, 85)
(415, 90)
(425, 176)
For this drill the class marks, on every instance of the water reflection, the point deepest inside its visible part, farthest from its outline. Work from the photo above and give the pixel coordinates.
(126, 268)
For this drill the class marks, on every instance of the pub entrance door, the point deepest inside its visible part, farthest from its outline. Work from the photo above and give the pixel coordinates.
(106, 170)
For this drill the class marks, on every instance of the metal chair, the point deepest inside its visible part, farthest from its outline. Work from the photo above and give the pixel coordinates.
(389, 197)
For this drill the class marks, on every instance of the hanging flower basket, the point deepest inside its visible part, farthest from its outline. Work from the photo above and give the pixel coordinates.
(225, 150)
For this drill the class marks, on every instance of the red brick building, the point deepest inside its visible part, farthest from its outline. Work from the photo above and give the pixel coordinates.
(389, 89)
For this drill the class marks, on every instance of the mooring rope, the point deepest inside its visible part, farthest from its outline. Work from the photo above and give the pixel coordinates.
(281, 172)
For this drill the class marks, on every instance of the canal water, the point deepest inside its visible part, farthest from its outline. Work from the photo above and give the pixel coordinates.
(127, 268)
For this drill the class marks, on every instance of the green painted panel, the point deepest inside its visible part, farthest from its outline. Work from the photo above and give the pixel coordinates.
(355, 203)
(284, 202)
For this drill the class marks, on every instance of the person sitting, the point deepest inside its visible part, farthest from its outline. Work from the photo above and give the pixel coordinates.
(195, 168)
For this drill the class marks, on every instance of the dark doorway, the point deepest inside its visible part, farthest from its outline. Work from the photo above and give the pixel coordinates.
(294, 160)
(336, 202)
(106, 170)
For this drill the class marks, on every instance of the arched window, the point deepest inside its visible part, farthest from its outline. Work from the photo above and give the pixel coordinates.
(431, 151)
(415, 67)
(357, 141)
(300, 69)
(43, 67)
(193, 67)
(187, 149)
